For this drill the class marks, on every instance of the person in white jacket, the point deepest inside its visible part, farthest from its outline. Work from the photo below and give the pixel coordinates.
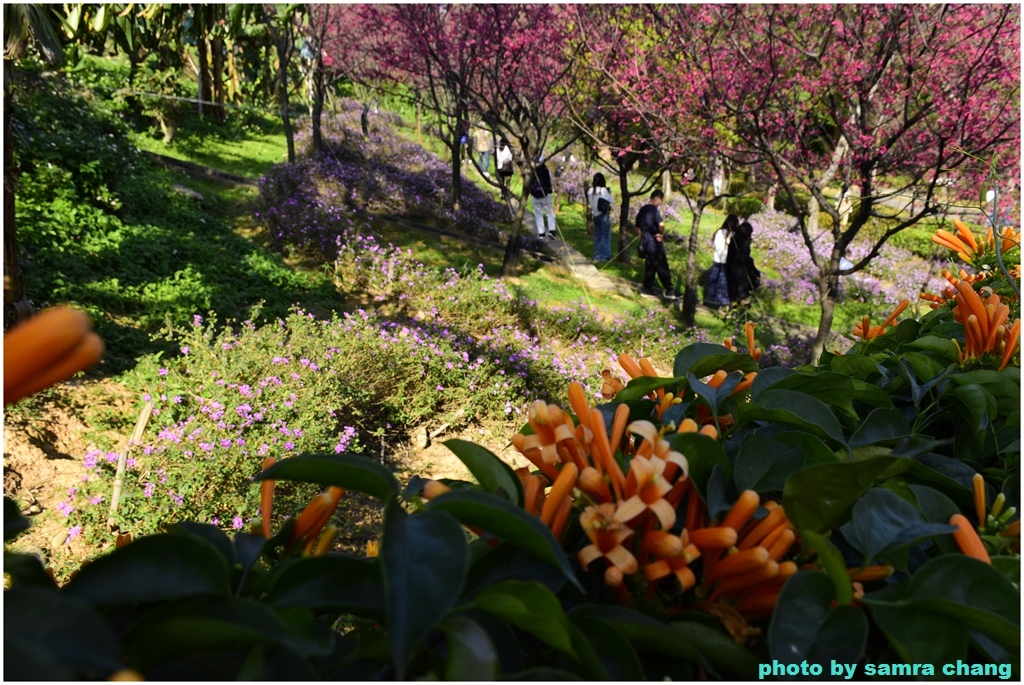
(716, 291)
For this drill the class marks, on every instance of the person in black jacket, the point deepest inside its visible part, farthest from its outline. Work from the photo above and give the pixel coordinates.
(742, 277)
(542, 205)
(652, 231)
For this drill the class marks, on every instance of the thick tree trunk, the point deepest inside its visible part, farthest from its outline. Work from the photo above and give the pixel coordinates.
(456, 173)
(217, 53)
(318, 103)
(690, 291)
(625, 232)
(283, 57)
(510, 263)
(827, 294)
(666, 183)
(15, 305)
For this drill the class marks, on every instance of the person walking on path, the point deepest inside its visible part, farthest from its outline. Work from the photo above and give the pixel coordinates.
(716, 292)
(601, 210)
(652, 247)
(742, 276)
(483, 145)
(542, 205)
(503, 167)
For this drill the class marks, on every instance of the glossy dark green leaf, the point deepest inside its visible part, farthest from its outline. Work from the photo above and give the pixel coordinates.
(494, 475)
(607, 654)
(531, 607)
(153, 568)
(507, 562)
(976, 405)
(425, 559)
(820, 497)
(871, 395)
(471, 654)
(332, 582)
(834, 389)
(14, 522)
(831, 560)
(702, 454)
(1009, 566)
(920, 636)
(26, 569)
(805, 626)
(881, 426)
(26, 660)
(358, 473)
(211, 534)
(883, 522)
(764, 462)
(795, 409)
(712, 395)
(642, 386)
(942, 347)
(767, 378)
(856, 366)
(67, 630)
(686, 642)
(703, 359)
(199, 625)
(507, 522)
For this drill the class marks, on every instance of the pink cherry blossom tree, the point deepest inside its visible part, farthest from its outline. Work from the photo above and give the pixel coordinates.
(887, 102)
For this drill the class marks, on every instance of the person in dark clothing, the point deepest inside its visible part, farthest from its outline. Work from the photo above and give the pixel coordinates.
(542, 204)
(742, 277)
(652, 231)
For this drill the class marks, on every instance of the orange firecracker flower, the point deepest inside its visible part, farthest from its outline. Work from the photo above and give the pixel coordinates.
(606, 535)
(47, 348)
(986, 326)
(865, 331)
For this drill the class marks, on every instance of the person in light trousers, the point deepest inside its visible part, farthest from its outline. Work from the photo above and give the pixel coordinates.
(542, 204)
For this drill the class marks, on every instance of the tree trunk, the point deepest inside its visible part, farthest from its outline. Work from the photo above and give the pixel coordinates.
(827, 289)
(690, 291)
(203, 68)
(419, 121)
(15, 305)
(318, 102)
(666, 181)
(217, 50)
(588, 216)
(510, 262)
(625, 234)
(283, 57)
(456, 173)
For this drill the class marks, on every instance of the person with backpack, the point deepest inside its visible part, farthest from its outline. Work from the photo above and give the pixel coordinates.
(540, 191)
(601, 209)
(716, 291)
(652, 248)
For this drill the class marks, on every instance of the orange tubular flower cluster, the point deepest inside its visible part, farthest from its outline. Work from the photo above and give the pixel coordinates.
(968, 247)
(865, 331)
(309, 523)
(986, 326)
(755, 352)
(50, 347)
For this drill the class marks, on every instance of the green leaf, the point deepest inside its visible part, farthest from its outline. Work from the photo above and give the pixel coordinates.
(507, 522)
(820, 497)
(354, 473)
(702, 359)
(871, 395)
(949, 595)
(530, 607)
(647, 634)
(607, 654)
(14, 522)
(494, 475)
(976, 405)
(856, 366)
(943, 347)
(508, 562)
(642, 386)
(833, 389)
(1009, 567)
(881, 426)
(714, 396)
(425, 559)
(209, 624)
(69, 632)
(834, 565)
(764, 462)
(471, 654)
(793, 408)
(883, 522)
(153, 568)
(702, 454)
(332, 582)
(804, 625)
(767, 378)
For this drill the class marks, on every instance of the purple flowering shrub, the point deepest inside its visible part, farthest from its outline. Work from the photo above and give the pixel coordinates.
(306, 205)
(893, 275)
